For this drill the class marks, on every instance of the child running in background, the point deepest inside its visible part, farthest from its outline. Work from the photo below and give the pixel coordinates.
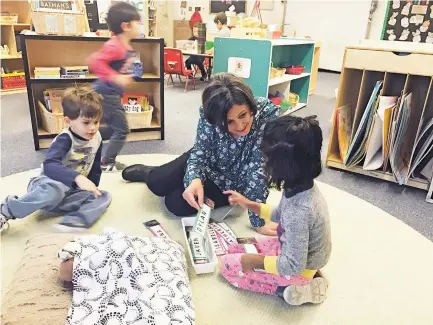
(195, 59)
(112, 65)
(291, 147)
(68, 183)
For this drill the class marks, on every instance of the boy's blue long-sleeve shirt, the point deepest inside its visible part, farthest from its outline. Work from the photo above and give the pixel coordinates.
(233, 164)
(70, 155)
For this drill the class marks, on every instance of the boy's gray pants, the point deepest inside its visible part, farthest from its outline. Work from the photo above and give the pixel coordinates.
(116, 127)
(80, 208)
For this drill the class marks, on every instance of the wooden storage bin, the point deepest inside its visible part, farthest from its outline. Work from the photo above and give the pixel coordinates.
(60, 23)
(140, 120)
(389, 61)
(363, 66)
(51, 122)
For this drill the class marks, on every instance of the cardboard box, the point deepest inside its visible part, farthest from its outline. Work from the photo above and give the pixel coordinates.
(53, 100)
(213, 260)
(54, 23)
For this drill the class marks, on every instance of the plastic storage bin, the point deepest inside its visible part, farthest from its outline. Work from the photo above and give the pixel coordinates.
(213, 260)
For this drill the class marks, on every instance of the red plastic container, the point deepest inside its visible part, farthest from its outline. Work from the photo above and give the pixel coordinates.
(295, 69)
(277, 100)
(13, 81)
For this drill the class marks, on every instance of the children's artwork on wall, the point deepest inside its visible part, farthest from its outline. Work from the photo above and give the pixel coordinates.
(408, 21)
(406, 8)
(425, 26)
(416, 36)
(417, 19)
(392, 21)
(391, 34)
(404, 35)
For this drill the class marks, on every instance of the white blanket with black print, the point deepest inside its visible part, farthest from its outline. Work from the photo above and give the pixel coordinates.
(120, 279)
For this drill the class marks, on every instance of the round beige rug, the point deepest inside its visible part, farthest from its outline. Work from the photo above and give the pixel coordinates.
(380, 271)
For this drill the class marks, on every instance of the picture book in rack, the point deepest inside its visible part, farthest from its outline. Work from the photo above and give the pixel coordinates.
(394, 134)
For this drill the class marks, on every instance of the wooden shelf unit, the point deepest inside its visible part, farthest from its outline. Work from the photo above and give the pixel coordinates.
(72, 51)
(265, 53)
(9, 32)
(402, 67)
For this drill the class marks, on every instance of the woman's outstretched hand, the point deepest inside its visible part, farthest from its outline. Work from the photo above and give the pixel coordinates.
(269, 229)
(194, 194)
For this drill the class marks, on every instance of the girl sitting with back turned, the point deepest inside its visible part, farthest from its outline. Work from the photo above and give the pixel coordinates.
(291, 147)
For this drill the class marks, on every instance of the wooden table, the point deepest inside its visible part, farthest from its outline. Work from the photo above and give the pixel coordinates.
(204, 55)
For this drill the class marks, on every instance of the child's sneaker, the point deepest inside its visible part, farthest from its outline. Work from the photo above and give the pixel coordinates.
(314, 292)
(5, 214)
(113, 167)
(4, 222)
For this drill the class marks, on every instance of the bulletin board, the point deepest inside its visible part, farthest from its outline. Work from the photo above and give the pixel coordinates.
(217, 6)
(410, 21)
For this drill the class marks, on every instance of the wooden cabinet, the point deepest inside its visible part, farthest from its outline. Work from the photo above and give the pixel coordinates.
(403, 68)
(74, 51)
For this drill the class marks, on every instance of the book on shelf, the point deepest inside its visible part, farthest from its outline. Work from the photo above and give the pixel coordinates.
(357, 148)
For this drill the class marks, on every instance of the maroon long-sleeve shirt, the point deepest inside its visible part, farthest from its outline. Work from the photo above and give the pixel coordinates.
(113, 58)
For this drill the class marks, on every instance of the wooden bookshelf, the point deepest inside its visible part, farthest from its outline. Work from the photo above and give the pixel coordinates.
(10, 32)
(403, 68)
(74, 51)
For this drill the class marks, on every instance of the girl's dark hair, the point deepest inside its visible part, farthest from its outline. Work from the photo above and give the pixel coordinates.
(219, 96)
(291, 146)
(121, 12)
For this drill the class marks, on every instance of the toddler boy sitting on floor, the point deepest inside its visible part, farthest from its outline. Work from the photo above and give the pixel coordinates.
(71, 170)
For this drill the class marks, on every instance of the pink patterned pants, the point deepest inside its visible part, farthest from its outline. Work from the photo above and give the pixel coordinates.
(266, 283)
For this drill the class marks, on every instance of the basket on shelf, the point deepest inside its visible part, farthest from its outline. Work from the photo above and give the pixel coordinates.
(51, 122)
(13, 80)
(8, 17)
(139, 120)
(276, 72)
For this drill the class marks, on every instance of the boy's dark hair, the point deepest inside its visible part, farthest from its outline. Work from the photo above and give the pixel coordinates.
(220, 17)
(82, 101)
(291, 146)
(121, 12)
(219, 96)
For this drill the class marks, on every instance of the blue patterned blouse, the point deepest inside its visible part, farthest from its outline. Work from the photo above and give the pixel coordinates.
(233, 164)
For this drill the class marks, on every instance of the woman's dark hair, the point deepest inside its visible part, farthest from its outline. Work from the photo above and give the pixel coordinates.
(219, 96)
(220, 17)
(291, 146)
(121, 12)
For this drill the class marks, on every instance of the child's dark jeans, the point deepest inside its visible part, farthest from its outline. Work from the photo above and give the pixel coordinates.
(116, 127)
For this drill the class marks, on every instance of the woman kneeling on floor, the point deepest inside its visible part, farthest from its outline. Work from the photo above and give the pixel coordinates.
(226, 154)
(287, 266)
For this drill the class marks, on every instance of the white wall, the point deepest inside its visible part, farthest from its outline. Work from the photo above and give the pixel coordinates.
(274, 16)
(335, 23)
(377, 21)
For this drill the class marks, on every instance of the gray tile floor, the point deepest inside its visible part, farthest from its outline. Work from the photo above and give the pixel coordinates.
(406, 204)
